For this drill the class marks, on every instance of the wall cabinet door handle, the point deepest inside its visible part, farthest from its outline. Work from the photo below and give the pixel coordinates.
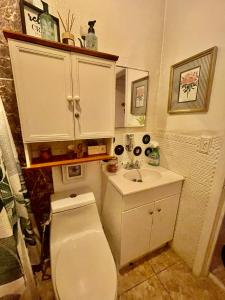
(69, 99)
(159, 209)
(151, 212)
(77, 115)
(77, 98)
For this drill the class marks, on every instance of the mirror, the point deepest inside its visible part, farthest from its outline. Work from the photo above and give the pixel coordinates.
(131, 97)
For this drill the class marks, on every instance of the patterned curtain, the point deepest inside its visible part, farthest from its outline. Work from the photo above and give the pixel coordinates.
(15, 268)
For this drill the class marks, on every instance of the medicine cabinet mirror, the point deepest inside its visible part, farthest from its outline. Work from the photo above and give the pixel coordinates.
(131, 97)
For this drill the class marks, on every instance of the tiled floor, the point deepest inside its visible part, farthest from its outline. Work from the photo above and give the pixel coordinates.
(157, 277)
(165, 276)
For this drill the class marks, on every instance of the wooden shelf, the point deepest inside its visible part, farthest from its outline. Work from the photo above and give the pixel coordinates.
(34, 40)
(61, 160)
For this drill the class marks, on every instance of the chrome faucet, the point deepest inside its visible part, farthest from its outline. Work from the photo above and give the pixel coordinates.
(136, 166)
(132, 165)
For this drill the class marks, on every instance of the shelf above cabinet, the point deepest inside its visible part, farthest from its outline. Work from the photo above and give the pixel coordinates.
(60, 160)
(34, 40)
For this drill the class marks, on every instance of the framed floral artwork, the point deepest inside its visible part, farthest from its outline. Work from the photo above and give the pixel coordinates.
(139, 96)
(191, 83)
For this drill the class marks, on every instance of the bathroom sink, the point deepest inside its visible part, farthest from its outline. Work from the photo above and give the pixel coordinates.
(142, 175)
(147, 177)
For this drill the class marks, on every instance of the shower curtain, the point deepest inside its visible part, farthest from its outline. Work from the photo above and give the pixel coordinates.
(16, 235)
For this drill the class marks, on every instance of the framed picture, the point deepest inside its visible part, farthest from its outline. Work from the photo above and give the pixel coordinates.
(72, 173)
(139, 96)
(191, 83)
(31, 22)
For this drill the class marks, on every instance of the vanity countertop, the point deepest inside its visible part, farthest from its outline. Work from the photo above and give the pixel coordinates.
(126, 186)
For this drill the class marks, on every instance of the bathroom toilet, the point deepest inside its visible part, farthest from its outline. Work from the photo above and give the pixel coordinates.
(81, 261)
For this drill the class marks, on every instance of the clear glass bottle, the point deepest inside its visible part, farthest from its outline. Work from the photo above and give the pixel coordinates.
(91, 38)
(47, 24)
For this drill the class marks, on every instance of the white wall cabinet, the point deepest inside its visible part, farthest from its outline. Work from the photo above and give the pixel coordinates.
(94, 94)
(136, 230)
(62, 95)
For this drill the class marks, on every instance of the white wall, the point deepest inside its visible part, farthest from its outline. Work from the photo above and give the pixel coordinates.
(191, 27)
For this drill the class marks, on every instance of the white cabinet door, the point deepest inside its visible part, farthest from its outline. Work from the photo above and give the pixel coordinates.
(164, 219)
(135, 232)
(43, 83)
(94, 94)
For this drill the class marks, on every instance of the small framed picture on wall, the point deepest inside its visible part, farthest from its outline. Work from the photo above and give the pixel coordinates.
(72, 173)
(139, 91)
(191, 82)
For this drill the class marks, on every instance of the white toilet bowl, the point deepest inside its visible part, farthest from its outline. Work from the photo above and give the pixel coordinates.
(82, 264)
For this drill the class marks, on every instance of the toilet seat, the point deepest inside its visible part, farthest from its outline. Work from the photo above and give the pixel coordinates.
(85, 269)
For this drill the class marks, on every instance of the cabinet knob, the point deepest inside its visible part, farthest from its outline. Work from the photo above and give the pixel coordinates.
(159, 209)
(77, 115)
(69, 99)
(77, 98)
(151, 212)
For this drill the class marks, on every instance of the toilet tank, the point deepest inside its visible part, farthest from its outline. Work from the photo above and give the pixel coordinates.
(74, 212)
(73, 199)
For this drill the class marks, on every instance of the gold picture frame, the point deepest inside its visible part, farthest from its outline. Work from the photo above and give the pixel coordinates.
(191, 83)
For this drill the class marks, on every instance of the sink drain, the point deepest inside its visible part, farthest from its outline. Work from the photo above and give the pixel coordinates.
(137, 180)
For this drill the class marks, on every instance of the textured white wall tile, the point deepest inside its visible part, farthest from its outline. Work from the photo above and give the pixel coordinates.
(180, 153)
(192, 208)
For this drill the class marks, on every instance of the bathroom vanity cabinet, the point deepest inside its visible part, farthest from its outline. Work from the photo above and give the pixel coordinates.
(138, 223)
(64, 93)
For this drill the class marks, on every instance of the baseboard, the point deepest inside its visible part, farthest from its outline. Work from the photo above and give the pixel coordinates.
(217, 281)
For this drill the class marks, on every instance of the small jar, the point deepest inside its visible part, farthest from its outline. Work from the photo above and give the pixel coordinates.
(45, 153)
(68, 38)
(112, 165)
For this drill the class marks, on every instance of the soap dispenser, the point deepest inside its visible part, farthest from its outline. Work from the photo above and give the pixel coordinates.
(91, 38)
(47, 24)
(154, 156)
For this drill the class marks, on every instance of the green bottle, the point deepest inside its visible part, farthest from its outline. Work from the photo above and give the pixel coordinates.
(154, 157)
(47, 24)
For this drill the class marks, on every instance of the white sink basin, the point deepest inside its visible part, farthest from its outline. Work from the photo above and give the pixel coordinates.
(129, 182)
(142, 175)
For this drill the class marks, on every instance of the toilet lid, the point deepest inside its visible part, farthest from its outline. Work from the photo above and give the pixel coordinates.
(85, 269)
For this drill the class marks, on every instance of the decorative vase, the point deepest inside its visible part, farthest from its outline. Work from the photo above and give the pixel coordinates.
(68, 38)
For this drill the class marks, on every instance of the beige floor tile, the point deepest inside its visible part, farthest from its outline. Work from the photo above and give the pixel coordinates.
(163, 259)
(211, 290)
(182, 285)
(131, 276)
(148, 290)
